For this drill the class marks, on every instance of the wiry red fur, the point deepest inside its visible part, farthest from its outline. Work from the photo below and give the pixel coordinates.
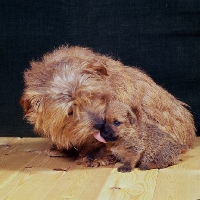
(67, 85)
(139, 144)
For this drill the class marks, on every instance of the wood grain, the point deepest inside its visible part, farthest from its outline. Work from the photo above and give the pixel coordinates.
(26, 172)
(134, 185)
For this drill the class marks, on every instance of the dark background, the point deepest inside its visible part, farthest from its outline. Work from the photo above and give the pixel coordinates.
(161, 37)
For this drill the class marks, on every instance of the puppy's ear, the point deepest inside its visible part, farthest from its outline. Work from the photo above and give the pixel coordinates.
(132, 118)
(25, 104)
(136, 111)
(97, 67)
(134, 115)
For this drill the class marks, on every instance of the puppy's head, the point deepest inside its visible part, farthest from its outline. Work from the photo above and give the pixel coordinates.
(119, 121)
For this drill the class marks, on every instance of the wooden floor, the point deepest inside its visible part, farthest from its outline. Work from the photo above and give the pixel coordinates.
(27, 173)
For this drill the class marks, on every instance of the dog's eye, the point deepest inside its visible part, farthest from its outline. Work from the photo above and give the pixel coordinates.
(116, 123)
(70, 113)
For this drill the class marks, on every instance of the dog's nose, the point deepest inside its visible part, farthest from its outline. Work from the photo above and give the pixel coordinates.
(99, 125)
(106, 130)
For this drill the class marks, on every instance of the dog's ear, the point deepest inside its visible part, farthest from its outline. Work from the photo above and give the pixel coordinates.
(30, 104)
(133, 115)
(97, 67)
(25, 104)
(136, 112)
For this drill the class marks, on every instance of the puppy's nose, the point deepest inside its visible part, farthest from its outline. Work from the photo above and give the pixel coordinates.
(99, 125)
(106, 130)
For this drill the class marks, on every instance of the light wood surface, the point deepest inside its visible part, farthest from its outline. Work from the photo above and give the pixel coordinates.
(27, 173)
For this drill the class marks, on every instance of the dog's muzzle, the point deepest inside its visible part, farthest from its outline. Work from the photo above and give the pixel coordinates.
(108, 134)
(100, 124)
(106, 131)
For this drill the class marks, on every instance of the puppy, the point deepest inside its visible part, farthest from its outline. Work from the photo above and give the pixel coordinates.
(135, 143)
(67, 92)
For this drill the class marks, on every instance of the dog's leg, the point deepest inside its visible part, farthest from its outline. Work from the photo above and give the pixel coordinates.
(127, 157)
(96, 154)
(100, 156)
(128, 165)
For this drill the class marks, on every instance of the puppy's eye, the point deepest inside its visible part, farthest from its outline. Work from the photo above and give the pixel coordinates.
(116, 123)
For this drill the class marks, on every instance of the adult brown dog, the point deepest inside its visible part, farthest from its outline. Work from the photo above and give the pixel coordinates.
(67, 91)
(137, 143)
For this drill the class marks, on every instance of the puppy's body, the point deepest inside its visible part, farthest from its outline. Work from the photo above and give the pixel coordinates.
(68, 90)
(138, 144)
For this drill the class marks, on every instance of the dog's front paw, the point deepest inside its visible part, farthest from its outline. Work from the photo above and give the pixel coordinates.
(104, 161)
(124, 168)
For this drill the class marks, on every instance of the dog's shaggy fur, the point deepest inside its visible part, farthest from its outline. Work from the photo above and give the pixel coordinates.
(68, 90)
(137, 143)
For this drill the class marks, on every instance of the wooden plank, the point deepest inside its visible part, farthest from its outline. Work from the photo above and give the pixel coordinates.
(178, 185)
(17, 155)
(16, 145)
(135, 185)
(36, 180)
(7, 142)
(28, 173)
(38, 176)
(80, 183)
(181, 181)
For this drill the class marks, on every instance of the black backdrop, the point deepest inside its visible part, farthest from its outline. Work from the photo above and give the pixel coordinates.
(161, 37)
